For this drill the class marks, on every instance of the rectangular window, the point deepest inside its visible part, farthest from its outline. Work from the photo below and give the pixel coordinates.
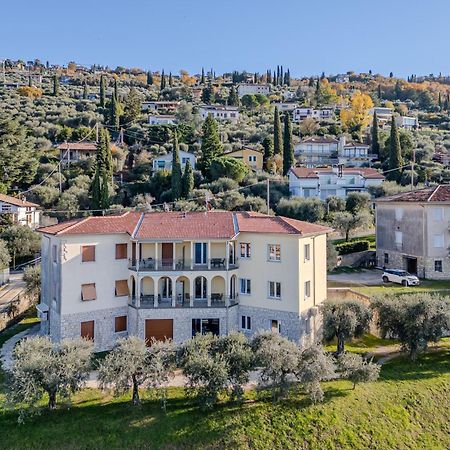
(275, 326)
(274, 289)
(246, 250)
(87, 253)
(121, 288)
(307, 252)
(120, 324)
(307, 289)
(438, 266)
(201, 253)
(54, 253)
(121, 251)
(246, 323)
(246, 286)
(386, 258)
(87, 330)
(88, 292)
(438, 240)
(438, 214)
(274, 252)
(204, 326)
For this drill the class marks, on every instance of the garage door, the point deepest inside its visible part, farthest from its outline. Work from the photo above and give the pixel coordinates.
(159, 329)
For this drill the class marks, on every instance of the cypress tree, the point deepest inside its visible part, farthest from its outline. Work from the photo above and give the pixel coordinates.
(269, 77)
(440, 102)
(170, 79)
(163, 81)
(274, 79)
(288, 145)
(85, 90)
(102, 91)
(104, 191)
(176, 170)
(55, 85)
(268, 151)
(95, 188)
(202, 79)
(114, 113)
(379, 92)
(187, 182)
(211, 146)
(277, 136)
(116, 90)
(149, 78)
(395, 153)
(29, 81)
(281, 75)
(375, 137)
(208, 96)
(233, 98)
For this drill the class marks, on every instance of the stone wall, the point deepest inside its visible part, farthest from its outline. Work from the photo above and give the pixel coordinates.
(11, 312)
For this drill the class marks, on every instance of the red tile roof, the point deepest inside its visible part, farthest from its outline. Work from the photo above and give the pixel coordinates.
(16, 201)
(440, 193)
(319, 140)
(366, 172)
(189, 225)
(80, 146)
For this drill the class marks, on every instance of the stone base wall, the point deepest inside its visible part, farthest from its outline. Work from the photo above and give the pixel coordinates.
(425, 265)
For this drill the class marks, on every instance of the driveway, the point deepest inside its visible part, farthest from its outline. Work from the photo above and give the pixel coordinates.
(363, 278)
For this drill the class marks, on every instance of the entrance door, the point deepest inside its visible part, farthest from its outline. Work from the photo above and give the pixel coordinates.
(87, 330)
(158, 329)
(180, 290)
(167, 254)
(411, 265)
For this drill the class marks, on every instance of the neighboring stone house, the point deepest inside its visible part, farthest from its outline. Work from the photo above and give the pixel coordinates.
(323, 182)
(176, 274)
(314, 151)
(251, 89)
(20, 210)
(384, 115)
(220, 112)
(76, 151)
(161, 119)
(249, 156)
(164, 162)
(412, 232)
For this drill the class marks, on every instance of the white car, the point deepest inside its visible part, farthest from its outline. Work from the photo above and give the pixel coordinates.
(400, 276)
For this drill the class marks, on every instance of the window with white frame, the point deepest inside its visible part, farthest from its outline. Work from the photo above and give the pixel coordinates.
(246, 250)
(274, 252)
(307, 289)
(438, 214)
(274, 289)
(246, 323)
(307, 252)
(246, 287)
(438, 241)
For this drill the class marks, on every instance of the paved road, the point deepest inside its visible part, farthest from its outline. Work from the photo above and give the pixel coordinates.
(13, 288)
(363, 278)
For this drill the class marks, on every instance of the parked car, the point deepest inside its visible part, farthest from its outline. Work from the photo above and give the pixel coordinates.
(400, 276)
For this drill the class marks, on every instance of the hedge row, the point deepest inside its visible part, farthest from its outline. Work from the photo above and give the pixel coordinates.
(352, 247)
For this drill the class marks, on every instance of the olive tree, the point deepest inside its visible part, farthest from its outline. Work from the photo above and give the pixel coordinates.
(32, 278)
(345, 320)
(357, 369)
(277, 358)
(414, 319)
(5, 259)
(130, 364)
(42, 367)
(21, 241)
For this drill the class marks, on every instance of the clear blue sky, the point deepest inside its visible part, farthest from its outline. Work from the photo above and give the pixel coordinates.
(405, 36)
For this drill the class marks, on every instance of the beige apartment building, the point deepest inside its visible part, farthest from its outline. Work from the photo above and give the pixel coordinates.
(413, 232)
(176, 274)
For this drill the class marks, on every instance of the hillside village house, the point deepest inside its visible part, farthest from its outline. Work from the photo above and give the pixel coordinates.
(169, 106)
(412, 232)
(251, 89)
(76, 151)
(176, 274)
(164, 162)
(303, 113)
(220, 112)
(352, 153)
(285, 106)
(323, 182)
(384, 115)
(249, 156)
(161, 119)
(408, 123)
(20, 210)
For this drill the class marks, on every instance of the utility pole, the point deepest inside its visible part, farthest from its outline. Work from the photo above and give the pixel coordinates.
(96, 132)
(412, 169)
(268, 195)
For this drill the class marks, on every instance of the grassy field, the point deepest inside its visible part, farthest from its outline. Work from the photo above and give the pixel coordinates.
(370, 238)
(408, 408)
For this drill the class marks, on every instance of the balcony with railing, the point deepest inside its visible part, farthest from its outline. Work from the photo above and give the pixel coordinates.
(212, 301)
(180, 265)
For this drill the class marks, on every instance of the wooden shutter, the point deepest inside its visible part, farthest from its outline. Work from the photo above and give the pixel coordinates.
(87, 253)
(87, 330)
(121, 288)
(121, 251)
(88, 292)
(120, 324)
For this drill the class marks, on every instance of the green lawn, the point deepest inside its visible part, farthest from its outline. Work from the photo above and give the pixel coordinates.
(437, 287)
(365, 344)
(28, 321)
(408, 408)
(370, 238)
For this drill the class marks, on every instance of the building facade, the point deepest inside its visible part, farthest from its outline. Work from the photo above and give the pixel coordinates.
(249, 156)
(314, 151)
(76, 151)
(303, 113)
(408, 123)
(20, 210)
(161, 119)
(324, 182)
(252, 89)
(413, 232)
(164, 162)
(220, 112)
(173, 275)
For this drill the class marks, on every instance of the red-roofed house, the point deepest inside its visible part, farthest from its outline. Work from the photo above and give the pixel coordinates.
(175, 274)
(324, 182)
(21, 211)
(76, 151)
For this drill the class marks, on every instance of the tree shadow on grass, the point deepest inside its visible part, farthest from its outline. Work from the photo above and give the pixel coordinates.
(429, 365)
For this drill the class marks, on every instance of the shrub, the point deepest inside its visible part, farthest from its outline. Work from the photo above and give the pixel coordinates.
(352, 247)
(356, 369)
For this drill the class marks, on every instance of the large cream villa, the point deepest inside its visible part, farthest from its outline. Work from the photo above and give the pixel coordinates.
(175, 274)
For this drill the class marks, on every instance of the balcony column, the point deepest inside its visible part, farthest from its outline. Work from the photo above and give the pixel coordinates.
(138, 291)
(208, 292)
(227, 290)
(192, 255)
(174, 291)
(191, 292)
(156, 256)
(138, 255)
(227, 255)
(174, 255)
(209, 255)
(155, 292)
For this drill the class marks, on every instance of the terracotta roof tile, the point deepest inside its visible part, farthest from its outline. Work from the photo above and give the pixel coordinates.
(440, 193)
(80, 146)
(16, 201)
(366, 172)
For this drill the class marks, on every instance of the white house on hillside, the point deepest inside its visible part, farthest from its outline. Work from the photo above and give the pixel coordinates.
(161, 119)
(384, 115)
(220, 112)
(244, 89)
(324, 182)
(408, 123)
(20, 210)
(303, 113)
(168, 105)
(317, 151)
(164, 162)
